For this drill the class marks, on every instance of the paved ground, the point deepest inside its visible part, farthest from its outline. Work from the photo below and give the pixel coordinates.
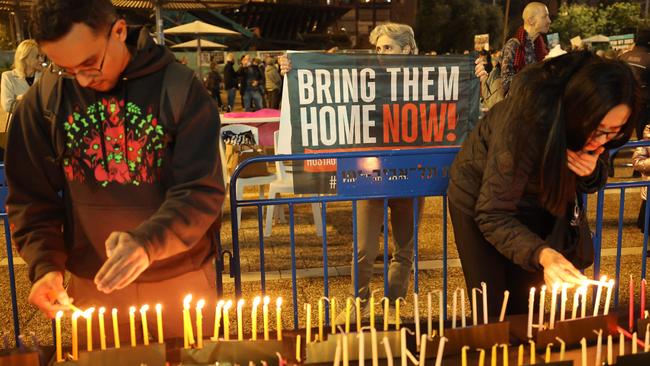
(339, 228)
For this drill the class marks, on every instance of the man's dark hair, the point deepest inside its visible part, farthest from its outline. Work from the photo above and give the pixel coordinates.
(53, 19)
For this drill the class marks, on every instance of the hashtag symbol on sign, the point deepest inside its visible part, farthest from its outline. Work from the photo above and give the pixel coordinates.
(333, 182)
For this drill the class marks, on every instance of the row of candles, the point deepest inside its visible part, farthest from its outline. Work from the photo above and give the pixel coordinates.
(579, 300)
(88, 316)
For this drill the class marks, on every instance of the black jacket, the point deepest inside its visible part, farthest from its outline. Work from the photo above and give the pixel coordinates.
(506, 207)
(229, 76)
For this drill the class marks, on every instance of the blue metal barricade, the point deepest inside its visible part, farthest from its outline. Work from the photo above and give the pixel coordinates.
(10, 257)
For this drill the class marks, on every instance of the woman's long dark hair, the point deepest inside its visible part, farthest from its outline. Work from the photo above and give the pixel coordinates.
(564, 100)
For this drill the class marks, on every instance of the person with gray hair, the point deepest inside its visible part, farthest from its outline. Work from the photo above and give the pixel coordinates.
(388, 37)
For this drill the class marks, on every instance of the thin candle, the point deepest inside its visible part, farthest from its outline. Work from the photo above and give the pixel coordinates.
(389, 352)
(504, 348)
(278, 318)
(348, 310)
(621, 344)
(583, 346)
(240, 319)
(337, 353)
(75, 335)
(610, 286)
(372, 309)
(256, 303)
(132, 325)
(463, 320)
(631, 309)
(362, 350)
(357, 308)
(386, 302)
(333, 314)
(88, 315)
(542, 298)
(583, 303)
(531, 305)
(187, 321)
(145, 325)
(429, 314)
(610, 352)
(474, 306)
(441, 314)
(562, 347)
(481, 357)
(441, 350)
(563, 300)
(116, 328)
(556, 287)
(397, 318)
(599, 346)
(374, 351)
(533, 357)
(102, 328)
(634, 343)
(576, 302)
(485, 304)
(199, 323)
(298, 348)
(504, 305)
(308, 323)
(547, 355)
(217, 319)
(520, 355)
(59, 349)
(454, 306)
(320, 319)
(642, 308)
(265, 316)
(599, 293)
(416, 316)
(226, 320)
(493, 355)
(346, 354)
(646, 341)
(159, 323)
(463, 355)
(423, 350)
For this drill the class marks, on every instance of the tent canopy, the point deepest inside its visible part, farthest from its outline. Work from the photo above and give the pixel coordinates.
(195, 44)
(199, 27)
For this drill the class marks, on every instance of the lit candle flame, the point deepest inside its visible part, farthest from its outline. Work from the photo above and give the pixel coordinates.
(241, 302)
(200, 304)
(278, 302)
(158, 307)
(59, 314)
(267, 300)
(88, 313)
(132, 310)
(102, 310)
(144, 308)
(228, 305)
(187, 300)
(257, 300)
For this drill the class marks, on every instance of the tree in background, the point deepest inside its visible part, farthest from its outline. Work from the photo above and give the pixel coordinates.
(450, 25)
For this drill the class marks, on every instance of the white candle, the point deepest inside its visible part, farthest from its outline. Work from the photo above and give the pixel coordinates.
(463, 321)
(634, 343)
(599, 346)
(321, 318)
(583, 303)
(504, 306)
(531, 305)
(454, 306)
(308, 323)
(240, 319)
(389, 352)
(333, 314)
(646, 344)
(441, 350)
(542, 298)
(621, 344)
(441, 314)
(404, 350)
(346, 355)
(556, 287)
(423, 350)
(226, 320)
(474, 308)
(217, 319)
(429, 314)
(563, 301)
(599, 292)
(373, 346)
(485, 304)
(416, 316)
(610, 352)
(372, 309)
(610, 286)
(265, 316)
(348, 309)
(576, 302)
(583, 345)
(337, 353)
(362, 346)
(256, 303)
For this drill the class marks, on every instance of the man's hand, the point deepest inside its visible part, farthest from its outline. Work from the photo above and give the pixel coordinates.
(558, 269)
(583, 163)
(479, 70)
(127, 259)
(285, 64)
(47, 291)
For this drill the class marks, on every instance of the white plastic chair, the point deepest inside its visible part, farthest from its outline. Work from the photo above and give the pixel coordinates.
(284, 184)
(242, 182)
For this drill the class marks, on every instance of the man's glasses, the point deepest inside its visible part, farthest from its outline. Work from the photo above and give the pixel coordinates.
(87, 73)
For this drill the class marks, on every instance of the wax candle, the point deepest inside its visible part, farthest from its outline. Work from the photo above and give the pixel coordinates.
(75, 335)
(646, 341)
(298, 348)
(554, 290)
(132, 324)
(416, 316)
(562, 347)
(547, 355)
(485, 304)
(102, 328)
(454, 306)
(531, 305)
(333, 314)
(542, 298)
(199, 323)
(583, 303)
(474, 306)
(441, 314)
(631, 308)
(504, 349)
(374, 351)
(533, 357)
(493, 355)
(634, 343)
(404, 351)
(88, 315)
(520, 355)
(278, 317)
(187, 322)
(621, 344)
(423, 349)
(145, 325)
(583, 345)
(387, 349)
(159, 323)
(397, 317)
(265, 316)
(610, 286)
(348, 310)
(59, 349)
(481, 357)
(599, 346)
(563, 300)
(240, 319)
(226, 320)
(116, 328)
(362, 345)
(386, 302)
(599, 293)
(429, 314)
(337, 352)
(441, 350)
(320, 319)
(463, 355)
(308, 323)
(357, 308)
(346, 355)
(576, 302)
(218, 309)
(372, 309)
(610, 352)
(256, 302)
(504, 305)
(642, 308)
(463, 320)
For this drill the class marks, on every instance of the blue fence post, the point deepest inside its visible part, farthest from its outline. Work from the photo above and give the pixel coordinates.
(294, 280)
(386, 247)
(619, 244)
(444, 257)
(326, 288)
(260, 230)
(599, 232)
(416, 210)
(12, 279)
(355, 249)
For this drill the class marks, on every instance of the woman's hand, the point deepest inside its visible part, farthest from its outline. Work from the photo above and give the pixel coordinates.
(583, 163)
(558, 269)
(285, 65)
(479, 70)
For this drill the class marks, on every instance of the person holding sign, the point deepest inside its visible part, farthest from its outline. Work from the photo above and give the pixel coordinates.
(516, 185)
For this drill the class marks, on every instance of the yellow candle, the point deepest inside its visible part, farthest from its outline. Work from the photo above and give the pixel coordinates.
(102, 329)
(386, 312)
(298, 348)
(583, 346)
(348, 308)
(308, 323)
(333, 314)
(265, 313)
(278, 317)
(547, 356)
(217, 319)
(256, 302)
(187, 322)
(504, 348)
(116, 328)
(88, 314)
(493, 355)
(226, 320)
(145, 324)
(532, 352)
(397, 319)
(372, 309)
(562, 347)
(320, 319)
(358, 311)
(75, 335)
(240, 319)
(159, 323)
(520, 355)
(59, 350)
(463, 355)
(199, 323)
(481, 357)
(132, 324)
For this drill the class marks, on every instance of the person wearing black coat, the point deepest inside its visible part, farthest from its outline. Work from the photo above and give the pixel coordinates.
(521, 172)
(230, 80)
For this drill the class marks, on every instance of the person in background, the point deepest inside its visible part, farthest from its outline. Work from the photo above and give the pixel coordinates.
(26, 71)
(230, 81)
(516, 185)
(213, 83)
(641, 163)
(639, 60)
(273, 83)
(260, 65)
(250, 78)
